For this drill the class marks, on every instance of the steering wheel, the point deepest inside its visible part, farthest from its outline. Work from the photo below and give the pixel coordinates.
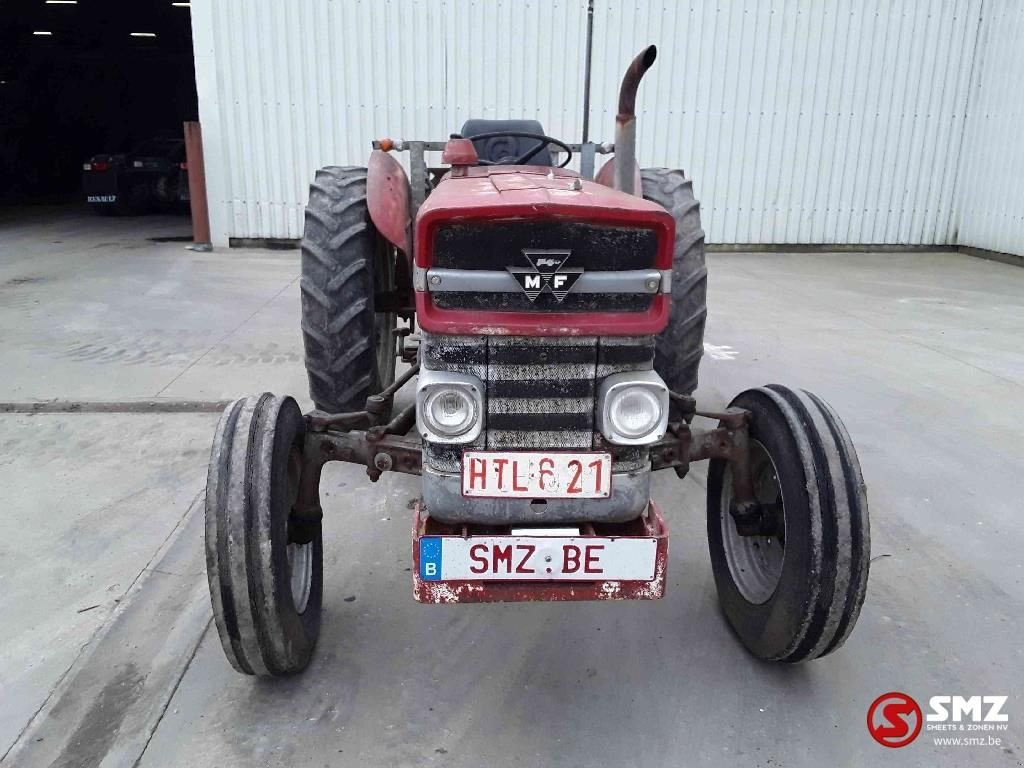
(542, 141)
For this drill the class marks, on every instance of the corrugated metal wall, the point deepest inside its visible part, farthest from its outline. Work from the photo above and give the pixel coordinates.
(801, 122)
(290, 87)
(990, 183)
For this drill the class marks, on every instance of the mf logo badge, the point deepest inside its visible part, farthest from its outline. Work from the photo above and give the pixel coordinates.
(546, 273)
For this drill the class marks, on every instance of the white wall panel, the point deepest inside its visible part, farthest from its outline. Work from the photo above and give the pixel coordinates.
(991, 177)
(800, 121)
(286, 88)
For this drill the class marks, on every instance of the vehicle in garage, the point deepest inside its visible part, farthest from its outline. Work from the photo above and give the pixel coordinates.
(152, 177)
(560, 329)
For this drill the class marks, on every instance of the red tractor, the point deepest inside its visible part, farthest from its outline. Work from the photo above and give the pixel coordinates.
(554, 327)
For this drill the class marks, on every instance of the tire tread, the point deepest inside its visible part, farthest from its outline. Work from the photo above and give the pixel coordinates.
(680, 347)
(337, 291)
(828, 609)
(860, 531)
(221, 595)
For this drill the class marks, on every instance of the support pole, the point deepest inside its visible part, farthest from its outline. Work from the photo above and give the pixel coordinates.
(586, 74)
(197, 188)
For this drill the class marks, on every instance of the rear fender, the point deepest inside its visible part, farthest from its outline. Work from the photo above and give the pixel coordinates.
(387, 196)
(606, 176)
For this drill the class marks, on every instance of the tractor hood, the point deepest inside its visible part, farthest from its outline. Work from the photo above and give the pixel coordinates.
(525, 192)
(526, 250)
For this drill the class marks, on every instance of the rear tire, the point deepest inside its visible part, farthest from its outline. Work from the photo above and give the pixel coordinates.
(678, 349)
(796, 592)
(350, 348)
(266, 591)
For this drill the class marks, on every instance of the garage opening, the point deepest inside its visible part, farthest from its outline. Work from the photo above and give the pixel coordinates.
(93, 94)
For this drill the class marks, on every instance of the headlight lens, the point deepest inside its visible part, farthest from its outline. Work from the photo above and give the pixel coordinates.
(634, 412)
(449, 406)
(633, 408)
(451, 412)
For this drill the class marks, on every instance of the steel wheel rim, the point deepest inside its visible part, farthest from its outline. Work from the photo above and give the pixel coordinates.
(300, 567)
(755, 562)
(300, 556)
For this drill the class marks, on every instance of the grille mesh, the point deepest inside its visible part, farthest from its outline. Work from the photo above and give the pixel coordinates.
(554, 370)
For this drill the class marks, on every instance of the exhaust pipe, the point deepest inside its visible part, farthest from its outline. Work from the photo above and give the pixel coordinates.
(625, 120)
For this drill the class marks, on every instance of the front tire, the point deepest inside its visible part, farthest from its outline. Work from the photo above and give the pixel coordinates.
(795, 592)
(266, 590)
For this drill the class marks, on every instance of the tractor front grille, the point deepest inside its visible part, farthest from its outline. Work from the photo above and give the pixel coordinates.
(497, 245)
(540, 390)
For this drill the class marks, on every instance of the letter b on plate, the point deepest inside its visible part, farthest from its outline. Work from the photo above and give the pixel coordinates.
(430, 558)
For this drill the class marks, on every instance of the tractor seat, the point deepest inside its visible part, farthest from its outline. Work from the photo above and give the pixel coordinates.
(506, 148)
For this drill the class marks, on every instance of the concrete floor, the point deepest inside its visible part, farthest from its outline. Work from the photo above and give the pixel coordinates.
(106, 656)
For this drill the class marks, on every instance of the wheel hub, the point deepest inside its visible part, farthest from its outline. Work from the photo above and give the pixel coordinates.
(300, 555)
(754, 537)
(300, 565)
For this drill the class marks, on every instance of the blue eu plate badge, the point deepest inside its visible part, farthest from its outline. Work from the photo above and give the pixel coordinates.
(430, 558)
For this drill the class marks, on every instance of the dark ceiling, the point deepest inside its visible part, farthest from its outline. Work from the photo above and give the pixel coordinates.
(88, 87)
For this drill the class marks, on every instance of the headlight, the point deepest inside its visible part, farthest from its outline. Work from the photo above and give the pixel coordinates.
(633, 408)
(449, 407)
(450, 412)
(634, 412)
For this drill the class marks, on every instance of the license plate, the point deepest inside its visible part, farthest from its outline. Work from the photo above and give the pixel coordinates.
(536, 475)
(101, 199)
(537, 558)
